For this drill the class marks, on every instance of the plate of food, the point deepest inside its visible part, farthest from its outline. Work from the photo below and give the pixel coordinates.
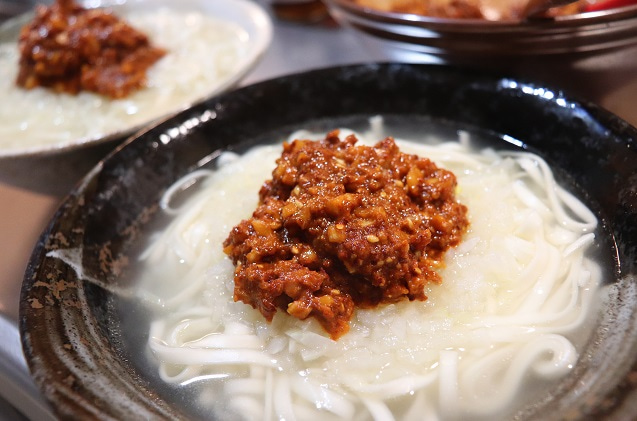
(377, 241)
(74, 76)
(470, 29)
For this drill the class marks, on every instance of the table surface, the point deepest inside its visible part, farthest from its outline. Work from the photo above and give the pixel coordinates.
(610, 81)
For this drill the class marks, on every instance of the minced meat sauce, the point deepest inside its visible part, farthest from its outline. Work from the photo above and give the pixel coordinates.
(341, 226)
(69, 48)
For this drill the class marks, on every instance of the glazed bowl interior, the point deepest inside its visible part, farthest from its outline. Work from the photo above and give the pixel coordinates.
(77, 306)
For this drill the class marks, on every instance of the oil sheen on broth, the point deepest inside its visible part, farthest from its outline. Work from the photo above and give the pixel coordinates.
(506, 322)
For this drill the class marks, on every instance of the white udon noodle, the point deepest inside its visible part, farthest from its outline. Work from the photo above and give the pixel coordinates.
(515, 294)
(203, 53)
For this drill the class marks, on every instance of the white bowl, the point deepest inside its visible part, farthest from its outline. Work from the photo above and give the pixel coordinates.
(20, 149)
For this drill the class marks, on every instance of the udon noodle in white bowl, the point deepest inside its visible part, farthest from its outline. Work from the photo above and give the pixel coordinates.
(210, 47)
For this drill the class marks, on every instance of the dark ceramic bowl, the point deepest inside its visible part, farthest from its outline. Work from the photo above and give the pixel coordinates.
(86, 364)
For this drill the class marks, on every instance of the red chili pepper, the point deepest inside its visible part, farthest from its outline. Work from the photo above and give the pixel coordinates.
(608, 4)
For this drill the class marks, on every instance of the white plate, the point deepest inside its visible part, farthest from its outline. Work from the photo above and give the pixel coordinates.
(250, 17)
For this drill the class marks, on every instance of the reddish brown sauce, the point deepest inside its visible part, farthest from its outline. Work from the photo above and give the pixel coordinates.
(69, 48)
(341, 226)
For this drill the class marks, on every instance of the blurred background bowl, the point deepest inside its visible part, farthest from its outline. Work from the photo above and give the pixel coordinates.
(53, 166)
(455, 39)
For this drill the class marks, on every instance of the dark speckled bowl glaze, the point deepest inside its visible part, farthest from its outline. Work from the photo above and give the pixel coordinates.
(72, 331)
